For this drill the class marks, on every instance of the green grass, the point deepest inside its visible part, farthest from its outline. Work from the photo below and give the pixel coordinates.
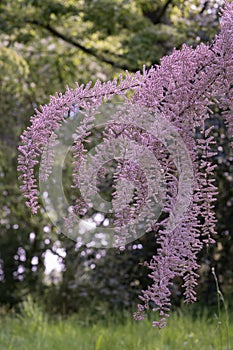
(33, 330)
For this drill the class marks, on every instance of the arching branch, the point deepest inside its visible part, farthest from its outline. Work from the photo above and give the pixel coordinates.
(81, 47)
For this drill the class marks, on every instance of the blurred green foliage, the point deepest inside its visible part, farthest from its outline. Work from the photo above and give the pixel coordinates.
(45, 45)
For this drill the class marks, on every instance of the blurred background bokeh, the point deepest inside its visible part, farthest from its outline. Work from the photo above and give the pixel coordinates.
(44, 46)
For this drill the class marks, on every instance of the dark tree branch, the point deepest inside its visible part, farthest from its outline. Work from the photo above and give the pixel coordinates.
(204, 7)
(164, 9)
(88, 51)
(156, 15)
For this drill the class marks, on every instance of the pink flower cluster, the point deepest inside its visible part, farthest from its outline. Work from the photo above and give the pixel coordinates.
(182, 89)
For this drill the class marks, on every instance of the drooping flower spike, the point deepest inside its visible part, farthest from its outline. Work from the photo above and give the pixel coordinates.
(181, 90)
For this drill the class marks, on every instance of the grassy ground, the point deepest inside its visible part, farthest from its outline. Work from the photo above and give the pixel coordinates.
(33, 330)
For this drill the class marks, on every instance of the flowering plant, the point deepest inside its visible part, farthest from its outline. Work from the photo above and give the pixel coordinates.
(179, 94)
